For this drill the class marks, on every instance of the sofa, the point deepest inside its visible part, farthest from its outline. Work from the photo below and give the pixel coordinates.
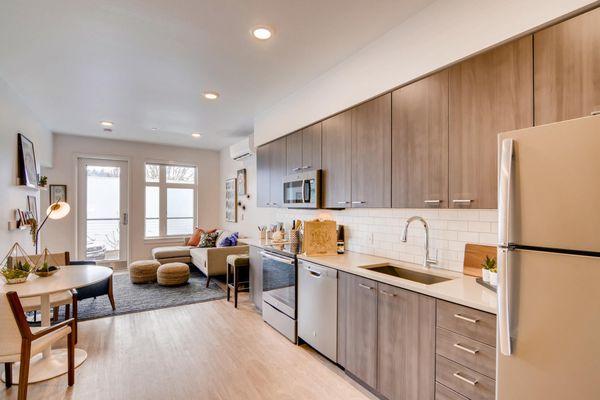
(212, 261)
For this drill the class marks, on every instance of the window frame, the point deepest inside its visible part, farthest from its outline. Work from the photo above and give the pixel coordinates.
(162, 186)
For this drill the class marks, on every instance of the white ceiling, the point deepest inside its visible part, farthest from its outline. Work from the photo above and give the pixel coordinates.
(145, 63)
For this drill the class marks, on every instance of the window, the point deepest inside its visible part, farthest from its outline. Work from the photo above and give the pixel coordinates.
(170, 200)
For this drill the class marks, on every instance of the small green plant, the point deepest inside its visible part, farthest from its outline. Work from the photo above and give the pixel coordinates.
(489, 263)
(46, 268)
(19, 270)
(43, 181)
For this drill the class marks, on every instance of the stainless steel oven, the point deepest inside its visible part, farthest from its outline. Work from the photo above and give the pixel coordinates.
(302, 190)
(279, 292)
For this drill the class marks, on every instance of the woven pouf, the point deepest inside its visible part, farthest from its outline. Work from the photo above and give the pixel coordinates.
(172, 274)
(143, 271)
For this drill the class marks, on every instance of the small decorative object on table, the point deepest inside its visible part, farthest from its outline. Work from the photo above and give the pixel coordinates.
(16, 265)
(46, 265)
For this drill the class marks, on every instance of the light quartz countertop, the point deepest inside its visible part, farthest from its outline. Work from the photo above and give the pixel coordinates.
(460, 289)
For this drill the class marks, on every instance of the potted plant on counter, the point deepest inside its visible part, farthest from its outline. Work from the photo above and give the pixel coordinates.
(494, 276)
(16, 265)
(488, 264)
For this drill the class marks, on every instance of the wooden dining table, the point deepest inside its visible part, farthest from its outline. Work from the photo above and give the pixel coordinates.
(53, 362)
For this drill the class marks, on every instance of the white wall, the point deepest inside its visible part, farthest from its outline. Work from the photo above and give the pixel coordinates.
(439, 35)
(15, 117)
(61, 235)
(253, 216)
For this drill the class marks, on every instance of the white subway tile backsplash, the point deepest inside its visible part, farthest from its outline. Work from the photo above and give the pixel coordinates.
(450, 230)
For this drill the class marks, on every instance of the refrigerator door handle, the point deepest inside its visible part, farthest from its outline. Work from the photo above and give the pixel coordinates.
(504, 184)
(503, 302)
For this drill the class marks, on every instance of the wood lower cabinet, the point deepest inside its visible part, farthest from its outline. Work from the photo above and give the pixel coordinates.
(336, 174)
(270, 170)
(488, 94)
(567, 69)
(420, 143)
(386, 337)
(361, 328)
(371, 153)
(256, 277)
(406, 344)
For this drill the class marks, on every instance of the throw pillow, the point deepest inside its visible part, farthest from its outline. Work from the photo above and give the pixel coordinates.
(228, 241)
(208, 239)
(195, 239)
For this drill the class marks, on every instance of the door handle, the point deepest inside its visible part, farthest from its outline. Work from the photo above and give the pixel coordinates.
(365, 286)
(387, 293)
(462, 201)
(315, 274)
(125, 219)
(432, 201)
(359, 202)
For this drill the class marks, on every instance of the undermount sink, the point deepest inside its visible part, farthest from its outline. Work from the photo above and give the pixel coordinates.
(408, 274)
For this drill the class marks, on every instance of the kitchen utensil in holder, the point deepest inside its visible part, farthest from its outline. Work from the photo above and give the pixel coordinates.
(294, 236)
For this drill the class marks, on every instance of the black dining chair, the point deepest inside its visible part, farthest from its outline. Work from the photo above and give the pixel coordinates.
(102, 288)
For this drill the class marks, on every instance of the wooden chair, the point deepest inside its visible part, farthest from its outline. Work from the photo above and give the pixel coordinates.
(57, 299)
(19, 342)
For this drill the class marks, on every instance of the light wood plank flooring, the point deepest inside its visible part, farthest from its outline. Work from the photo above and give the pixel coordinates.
(200, 351)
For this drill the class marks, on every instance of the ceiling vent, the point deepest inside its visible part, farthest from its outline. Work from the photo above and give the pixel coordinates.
(242, 149)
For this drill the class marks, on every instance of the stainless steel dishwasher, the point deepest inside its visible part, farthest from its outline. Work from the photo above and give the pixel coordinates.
(317, 307)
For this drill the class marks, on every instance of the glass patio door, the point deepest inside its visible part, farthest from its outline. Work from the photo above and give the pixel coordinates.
(102, 210)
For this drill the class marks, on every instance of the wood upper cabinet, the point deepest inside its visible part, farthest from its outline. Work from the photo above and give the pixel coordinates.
(371, 153)
(489, 93)
(420, 143)
(336, 178)
(294, 152)
(311, 147)
(361, 328)
(263, 177)
(304, 150)
(567, 69)
(277, 164)
(270, 171)
(406, 344)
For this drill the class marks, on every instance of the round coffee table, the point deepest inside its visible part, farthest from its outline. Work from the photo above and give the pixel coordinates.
(51, 363)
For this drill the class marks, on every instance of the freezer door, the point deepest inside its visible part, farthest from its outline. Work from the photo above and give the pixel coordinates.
(555, 328)
(555, 185)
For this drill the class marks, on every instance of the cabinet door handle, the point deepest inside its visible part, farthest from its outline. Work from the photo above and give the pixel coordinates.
(432, 201)
(468, 319)
(296, 169)
(387, 293)
(365, 286)
(465, 348)
(273, 204)
(359, 202)
(462, 201)
(307, 167)
(595, 112)
(462, 378)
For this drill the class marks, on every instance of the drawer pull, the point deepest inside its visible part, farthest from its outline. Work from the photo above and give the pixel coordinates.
(462, 378)
(365, 286)
(462, 201)
(464, 348)
(387, 293)
(432, 201)
(468, 319)
(359, 202)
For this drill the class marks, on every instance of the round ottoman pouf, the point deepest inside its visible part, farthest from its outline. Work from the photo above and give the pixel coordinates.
(143, 271)
(172, 274)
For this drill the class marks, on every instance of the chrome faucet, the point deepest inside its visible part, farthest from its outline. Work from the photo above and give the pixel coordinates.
(428, 261)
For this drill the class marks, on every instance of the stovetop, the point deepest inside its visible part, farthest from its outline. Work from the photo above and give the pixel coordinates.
(284, 249)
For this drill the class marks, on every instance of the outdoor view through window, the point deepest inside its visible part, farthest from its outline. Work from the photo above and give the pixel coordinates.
(170, 200)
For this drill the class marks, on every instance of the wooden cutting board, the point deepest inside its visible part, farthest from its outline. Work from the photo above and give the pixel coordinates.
(320, 238)
(474, 257)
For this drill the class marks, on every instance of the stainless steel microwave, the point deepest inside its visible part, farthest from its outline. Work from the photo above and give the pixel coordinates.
(302, 190)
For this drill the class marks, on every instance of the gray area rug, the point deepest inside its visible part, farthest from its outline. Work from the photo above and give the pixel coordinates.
(130, 298)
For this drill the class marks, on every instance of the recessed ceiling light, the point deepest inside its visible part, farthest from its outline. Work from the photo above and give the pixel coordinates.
(196, 135)
(262, 33)
(106, 123)
(211, 95)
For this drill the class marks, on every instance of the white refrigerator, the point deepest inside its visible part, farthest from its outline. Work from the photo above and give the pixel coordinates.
(549, 262)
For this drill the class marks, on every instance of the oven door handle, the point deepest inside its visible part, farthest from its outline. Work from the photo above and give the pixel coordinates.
(277, 258)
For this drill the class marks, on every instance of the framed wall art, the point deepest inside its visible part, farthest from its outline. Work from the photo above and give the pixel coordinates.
(28, 175)
(241, 182)
(231, 200)
(58, 193)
